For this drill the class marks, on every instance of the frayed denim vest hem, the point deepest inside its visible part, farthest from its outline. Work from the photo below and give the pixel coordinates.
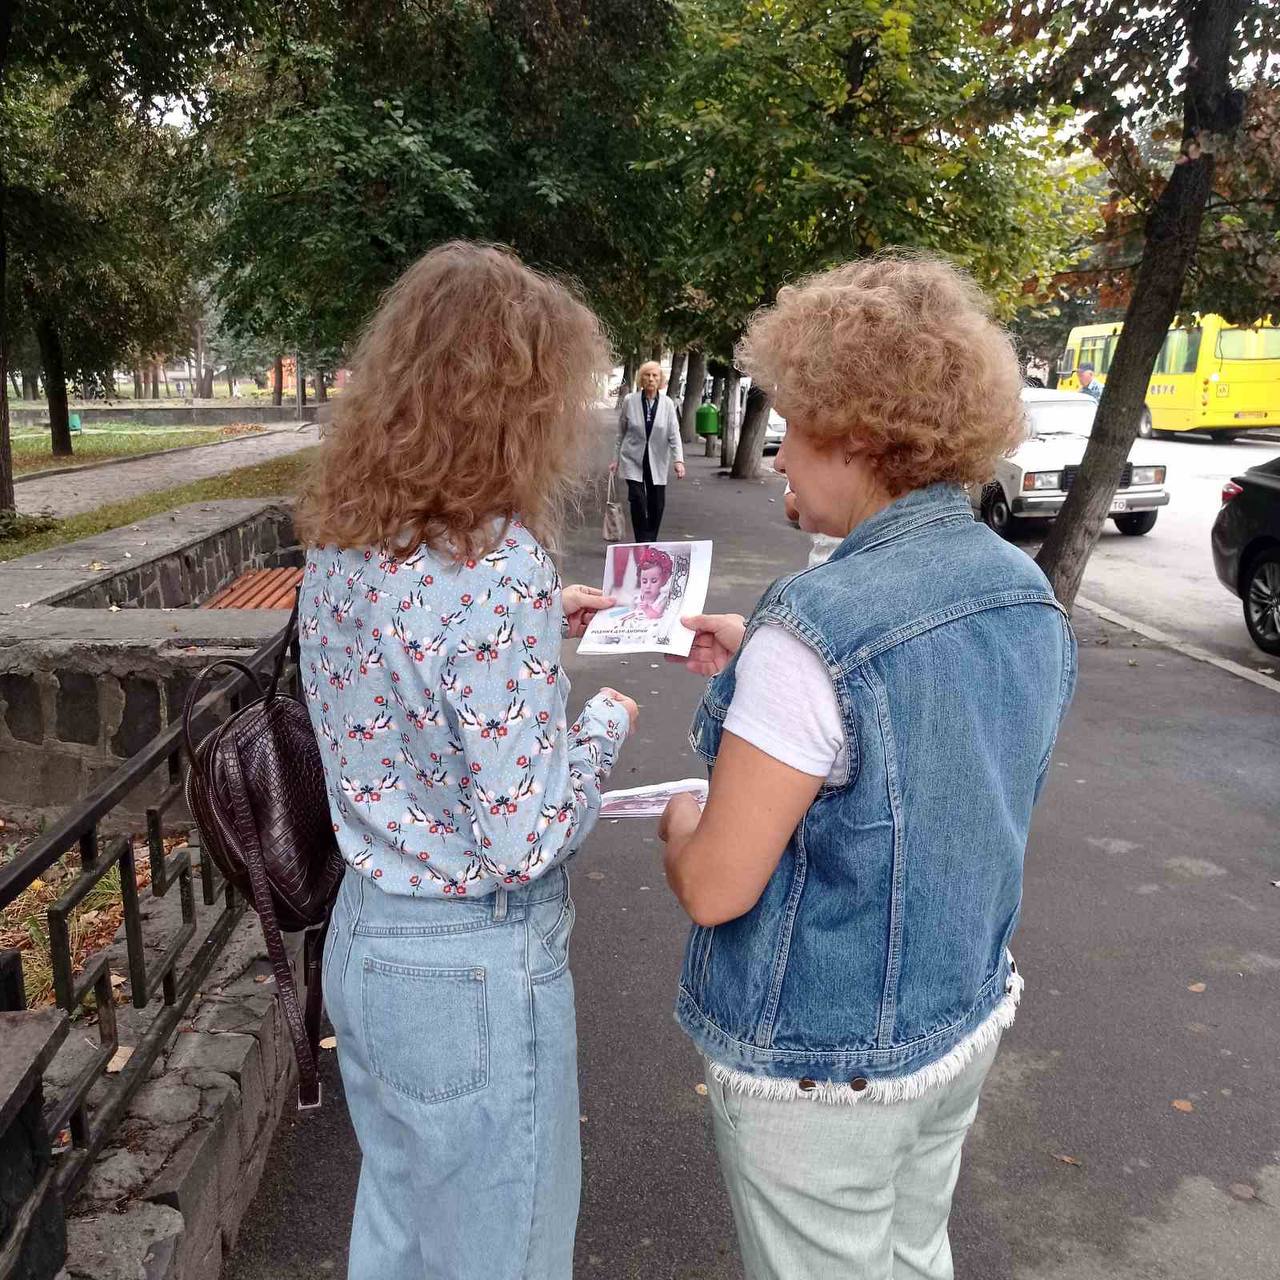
(846, 1078)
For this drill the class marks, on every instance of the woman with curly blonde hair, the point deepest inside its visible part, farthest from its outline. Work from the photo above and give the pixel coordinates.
(878, 731)
(430, 619)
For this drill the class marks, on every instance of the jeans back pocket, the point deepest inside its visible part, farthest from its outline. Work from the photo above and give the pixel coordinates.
(427, 1030)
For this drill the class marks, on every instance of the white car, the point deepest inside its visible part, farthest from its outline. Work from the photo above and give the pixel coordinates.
(774, 431)
(1032, 484)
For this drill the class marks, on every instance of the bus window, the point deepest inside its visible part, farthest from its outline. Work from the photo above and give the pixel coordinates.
(1097, 352)
(1249, 344)
(1180, 352)
(1068, 362)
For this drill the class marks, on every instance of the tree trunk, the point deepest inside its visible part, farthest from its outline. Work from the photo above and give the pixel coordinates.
(322, 391)
(676, 380)
(6, 448)
(629, 374)
(655, 350)
(1172, 230)
(695, 379)
(13, 378)
(231, 383)
(750, 450)
(31, 384)
(168, 391)
(277, 382)
(55, 382)
(729, 419)
(137, 383)
(717, 388)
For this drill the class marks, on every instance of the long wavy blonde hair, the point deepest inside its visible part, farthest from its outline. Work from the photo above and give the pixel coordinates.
(469, 406)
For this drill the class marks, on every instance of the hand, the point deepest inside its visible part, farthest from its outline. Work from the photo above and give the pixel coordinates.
(581, 604)
(679, 470)
(633, 711)
(613, 468)
(719, 638)
(679, 819)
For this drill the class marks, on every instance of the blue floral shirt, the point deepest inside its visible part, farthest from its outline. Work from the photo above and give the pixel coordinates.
(437, 695)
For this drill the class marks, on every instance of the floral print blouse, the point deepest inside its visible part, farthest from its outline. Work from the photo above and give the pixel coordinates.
(438, 698)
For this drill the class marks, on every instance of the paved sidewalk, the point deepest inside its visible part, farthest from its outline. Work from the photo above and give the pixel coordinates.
(1150, 872)
(70, 493)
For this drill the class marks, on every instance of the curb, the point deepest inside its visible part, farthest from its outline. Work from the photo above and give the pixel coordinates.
(1178, 646)
(157, 453)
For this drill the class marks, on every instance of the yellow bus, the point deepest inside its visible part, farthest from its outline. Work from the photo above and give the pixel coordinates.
(1214, 377)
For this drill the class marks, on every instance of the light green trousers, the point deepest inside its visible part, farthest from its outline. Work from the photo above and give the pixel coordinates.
(823, 1191)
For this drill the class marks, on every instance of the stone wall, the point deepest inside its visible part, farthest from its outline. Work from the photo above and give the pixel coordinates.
(83, 688)
(175, 415)
(166, 1198)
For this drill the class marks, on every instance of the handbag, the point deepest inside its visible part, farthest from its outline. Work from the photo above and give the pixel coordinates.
(256, 790)
(615, 523)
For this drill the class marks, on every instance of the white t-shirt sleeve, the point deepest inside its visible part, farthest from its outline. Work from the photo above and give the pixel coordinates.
(785, 704)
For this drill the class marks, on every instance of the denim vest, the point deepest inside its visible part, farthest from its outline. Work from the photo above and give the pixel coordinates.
(880, 942)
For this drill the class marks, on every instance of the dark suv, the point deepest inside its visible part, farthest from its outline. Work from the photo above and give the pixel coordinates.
(1246, 549)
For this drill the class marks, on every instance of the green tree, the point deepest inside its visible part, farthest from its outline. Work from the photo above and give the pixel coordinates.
(1124, 68)
(804, 133)
(122, 54)
(96, 260)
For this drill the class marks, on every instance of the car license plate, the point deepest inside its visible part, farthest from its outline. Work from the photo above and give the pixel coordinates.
(1119, 504)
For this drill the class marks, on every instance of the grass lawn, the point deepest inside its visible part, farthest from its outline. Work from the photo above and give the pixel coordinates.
(115, 440)
(279, 476)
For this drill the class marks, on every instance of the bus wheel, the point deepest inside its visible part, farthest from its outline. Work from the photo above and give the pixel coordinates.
(1223, 437)
(1145, 431)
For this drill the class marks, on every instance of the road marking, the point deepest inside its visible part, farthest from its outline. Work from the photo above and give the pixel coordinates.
(1178, 646)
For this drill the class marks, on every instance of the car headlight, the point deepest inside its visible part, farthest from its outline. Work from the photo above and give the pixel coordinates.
(1042, 480)
(1148, 475)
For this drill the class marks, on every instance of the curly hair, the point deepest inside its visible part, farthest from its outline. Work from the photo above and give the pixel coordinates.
(900, 354)
(652, 558)
(470, 403)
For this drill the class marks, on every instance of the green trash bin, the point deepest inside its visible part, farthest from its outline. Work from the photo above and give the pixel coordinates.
(73, 421)
(707, 420)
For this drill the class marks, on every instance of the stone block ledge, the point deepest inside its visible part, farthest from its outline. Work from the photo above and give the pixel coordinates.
(165, 1200)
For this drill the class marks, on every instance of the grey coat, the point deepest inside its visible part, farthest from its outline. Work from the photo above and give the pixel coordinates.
(665, 445)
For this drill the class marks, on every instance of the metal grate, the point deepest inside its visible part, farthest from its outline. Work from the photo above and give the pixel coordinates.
(1069, 474)
(161, 982)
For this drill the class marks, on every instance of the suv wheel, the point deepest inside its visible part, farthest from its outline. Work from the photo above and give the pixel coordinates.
(1261, 596)
(996, 514)
(1137, 524)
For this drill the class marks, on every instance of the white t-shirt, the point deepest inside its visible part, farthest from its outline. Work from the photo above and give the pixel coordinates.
(785, 705)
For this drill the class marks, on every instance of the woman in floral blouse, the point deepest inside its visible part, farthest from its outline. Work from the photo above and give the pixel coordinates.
(431, 622)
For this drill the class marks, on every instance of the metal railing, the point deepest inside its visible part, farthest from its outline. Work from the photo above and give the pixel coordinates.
(162, 983)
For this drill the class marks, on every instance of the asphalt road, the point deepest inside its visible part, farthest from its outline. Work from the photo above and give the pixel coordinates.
(1166, 577)
(1149, 942)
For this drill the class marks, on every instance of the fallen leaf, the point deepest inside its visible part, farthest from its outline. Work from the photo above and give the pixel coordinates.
(1197, 987)
(329, 1042)
(1181, 1104)
(115, 608)
(1071, 1160)
(263, 977)
(1266, 671)
(119, 1058)
(700, 1089)
(595, 875)
(1133, 662)
(1242, 1191)
(117, 980)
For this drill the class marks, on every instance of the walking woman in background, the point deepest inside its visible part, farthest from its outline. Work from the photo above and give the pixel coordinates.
(878, 732)
(430, 622)
(648, 446)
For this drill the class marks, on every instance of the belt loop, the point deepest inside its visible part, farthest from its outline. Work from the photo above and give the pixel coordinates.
(499, 903)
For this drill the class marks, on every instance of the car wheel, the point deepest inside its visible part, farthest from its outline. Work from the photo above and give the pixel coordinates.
(1145, 430)
(1262, 601)
(1136, 524)
(996, 514)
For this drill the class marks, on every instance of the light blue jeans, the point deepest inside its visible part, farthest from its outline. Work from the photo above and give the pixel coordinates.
(824, 1191)
(459, 1056)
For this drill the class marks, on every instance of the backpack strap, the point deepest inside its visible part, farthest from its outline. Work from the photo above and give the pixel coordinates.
(304, 1031)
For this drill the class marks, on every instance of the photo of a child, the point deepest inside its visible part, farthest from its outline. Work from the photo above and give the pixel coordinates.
(655, 585)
